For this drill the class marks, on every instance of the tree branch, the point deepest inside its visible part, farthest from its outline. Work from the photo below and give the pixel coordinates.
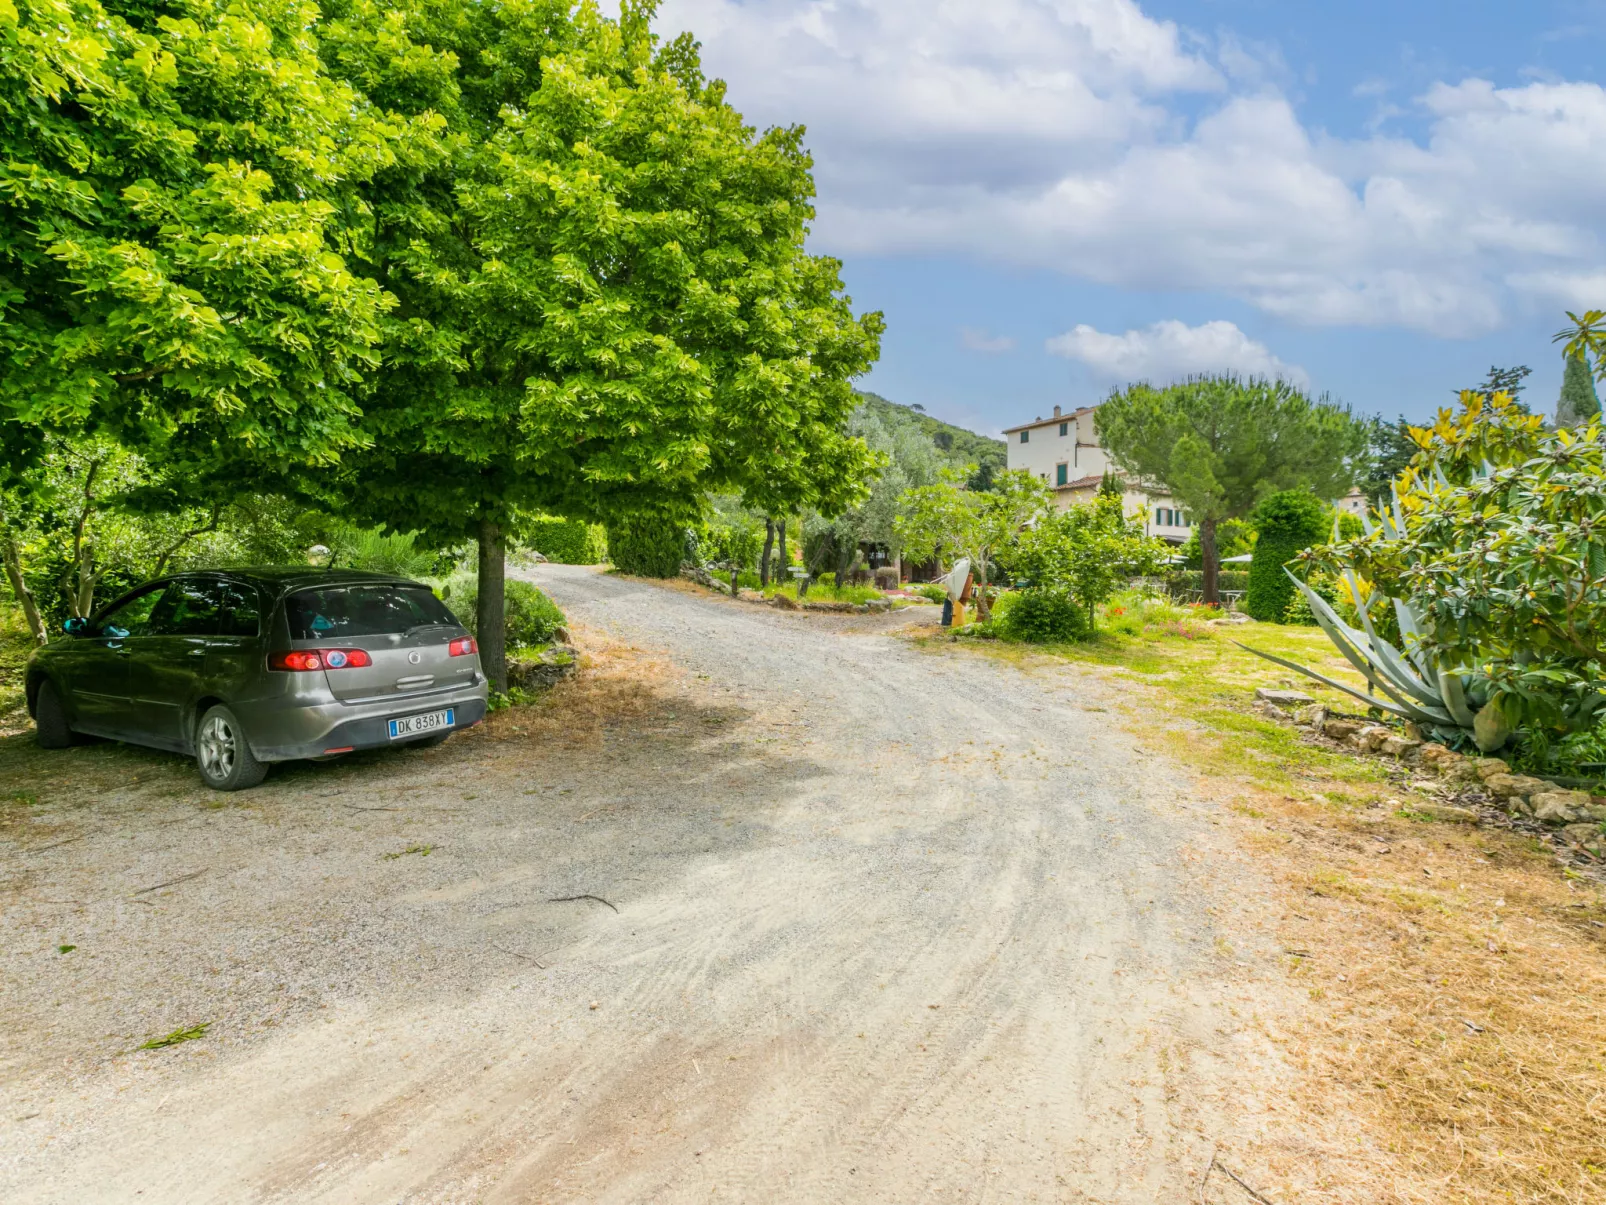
(172, 549)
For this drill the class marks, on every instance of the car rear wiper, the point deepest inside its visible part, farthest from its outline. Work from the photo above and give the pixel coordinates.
(419, 627)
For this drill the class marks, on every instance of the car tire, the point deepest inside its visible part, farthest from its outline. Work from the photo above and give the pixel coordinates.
(222, 753)
(51, 729)
(433, 739)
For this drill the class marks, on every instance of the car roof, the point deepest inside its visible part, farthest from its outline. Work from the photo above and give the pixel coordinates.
(298, 577)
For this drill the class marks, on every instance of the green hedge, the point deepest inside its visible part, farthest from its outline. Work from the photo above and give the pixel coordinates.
(532, 618)
(647, 547)
(568, 541)
(1288, 523)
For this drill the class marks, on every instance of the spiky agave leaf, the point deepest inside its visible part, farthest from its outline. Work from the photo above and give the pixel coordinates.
(1427, 706)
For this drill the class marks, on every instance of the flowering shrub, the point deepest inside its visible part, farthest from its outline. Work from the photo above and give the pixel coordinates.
(1498, 545)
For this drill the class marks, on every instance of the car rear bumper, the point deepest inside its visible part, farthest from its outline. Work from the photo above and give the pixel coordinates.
(316, 731)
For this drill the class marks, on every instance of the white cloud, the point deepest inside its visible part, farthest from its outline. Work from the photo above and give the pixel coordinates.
(1054, 133)
(1170, 350)
(978, 340)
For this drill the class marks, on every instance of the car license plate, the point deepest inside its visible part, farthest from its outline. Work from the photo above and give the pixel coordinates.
(418, 725)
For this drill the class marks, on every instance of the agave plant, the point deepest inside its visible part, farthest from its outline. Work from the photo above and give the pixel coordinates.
(1413, 685)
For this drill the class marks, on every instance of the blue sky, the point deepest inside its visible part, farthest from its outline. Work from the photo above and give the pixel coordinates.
(1050, 197)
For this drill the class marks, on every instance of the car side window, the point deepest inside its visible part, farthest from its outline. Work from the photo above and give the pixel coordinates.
(133, 617)
(239, 610)
(188, 608)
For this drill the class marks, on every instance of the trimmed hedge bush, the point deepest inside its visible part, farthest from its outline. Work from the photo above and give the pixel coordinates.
(647, 547)
(1288, 523)
(532, 618)
(568, 541)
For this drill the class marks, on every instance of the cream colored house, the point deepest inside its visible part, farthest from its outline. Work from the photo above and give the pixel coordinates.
(1065, 452)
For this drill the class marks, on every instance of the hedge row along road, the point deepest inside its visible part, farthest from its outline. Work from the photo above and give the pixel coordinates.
(883, 922)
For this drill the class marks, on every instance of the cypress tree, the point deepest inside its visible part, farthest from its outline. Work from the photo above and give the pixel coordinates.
(1579, 402)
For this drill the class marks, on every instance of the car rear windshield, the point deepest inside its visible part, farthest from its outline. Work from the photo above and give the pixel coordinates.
(337, 612)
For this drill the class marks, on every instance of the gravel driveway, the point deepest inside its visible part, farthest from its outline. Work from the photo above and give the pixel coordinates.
(882, 922)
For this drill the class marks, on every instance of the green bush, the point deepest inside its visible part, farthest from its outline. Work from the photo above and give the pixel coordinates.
(1041, 616)
(932, 592)
(532, 618)
(373, 551)
(1288, 522)
(1299, 612)
(568, 541)
(647, 547)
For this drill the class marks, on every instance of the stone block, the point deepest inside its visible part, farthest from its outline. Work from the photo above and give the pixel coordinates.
(1283, 698)
(1582, 834)
(785, 603)
(1399, 746)
(1341, 730)
(1435, 754)
(1447, 812)
(1487, 767)
(1313, 716)
(1559, 807)
(1370, 738)
(1515, 786)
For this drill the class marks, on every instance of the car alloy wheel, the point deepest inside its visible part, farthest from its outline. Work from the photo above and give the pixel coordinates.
(218, 746)
(222, 753)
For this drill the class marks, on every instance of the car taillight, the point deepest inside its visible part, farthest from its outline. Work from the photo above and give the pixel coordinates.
(463, 646)
(305, 660)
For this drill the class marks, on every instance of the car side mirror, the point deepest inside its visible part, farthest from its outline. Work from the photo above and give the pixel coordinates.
(76, 627)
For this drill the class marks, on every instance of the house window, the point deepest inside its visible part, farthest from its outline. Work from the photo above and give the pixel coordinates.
(1162, 516)
(1026, 437)
(1062, 475)
(1064, 427)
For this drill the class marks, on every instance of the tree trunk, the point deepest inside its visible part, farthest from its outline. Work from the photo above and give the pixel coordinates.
(983, 611)
(845, 555)
(19, 587)
(1207, 551)
(491, 605)
(764, 561)
(781, 574)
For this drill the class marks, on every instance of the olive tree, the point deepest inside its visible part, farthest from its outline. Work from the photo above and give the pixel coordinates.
(949, 519)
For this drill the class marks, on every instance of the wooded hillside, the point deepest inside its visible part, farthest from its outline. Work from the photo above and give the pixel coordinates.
(959, 446)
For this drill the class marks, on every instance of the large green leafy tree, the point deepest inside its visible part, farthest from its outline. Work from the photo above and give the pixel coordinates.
(1221, 443)
(177, 185)
(606, 309)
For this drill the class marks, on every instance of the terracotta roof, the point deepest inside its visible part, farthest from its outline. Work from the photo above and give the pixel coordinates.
(1082, 483)
(1052, 421)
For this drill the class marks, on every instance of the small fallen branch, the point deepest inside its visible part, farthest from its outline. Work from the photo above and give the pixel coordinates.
(569, 899)
(183, 878)
(521, 957)
(1231, 1175)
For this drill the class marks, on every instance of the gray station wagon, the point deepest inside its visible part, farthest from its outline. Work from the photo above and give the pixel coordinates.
(247, 667)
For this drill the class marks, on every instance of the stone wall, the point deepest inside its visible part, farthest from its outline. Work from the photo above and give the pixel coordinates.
(1578, 813)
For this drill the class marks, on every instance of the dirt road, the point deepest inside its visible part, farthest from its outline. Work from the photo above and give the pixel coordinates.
(882, 923)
